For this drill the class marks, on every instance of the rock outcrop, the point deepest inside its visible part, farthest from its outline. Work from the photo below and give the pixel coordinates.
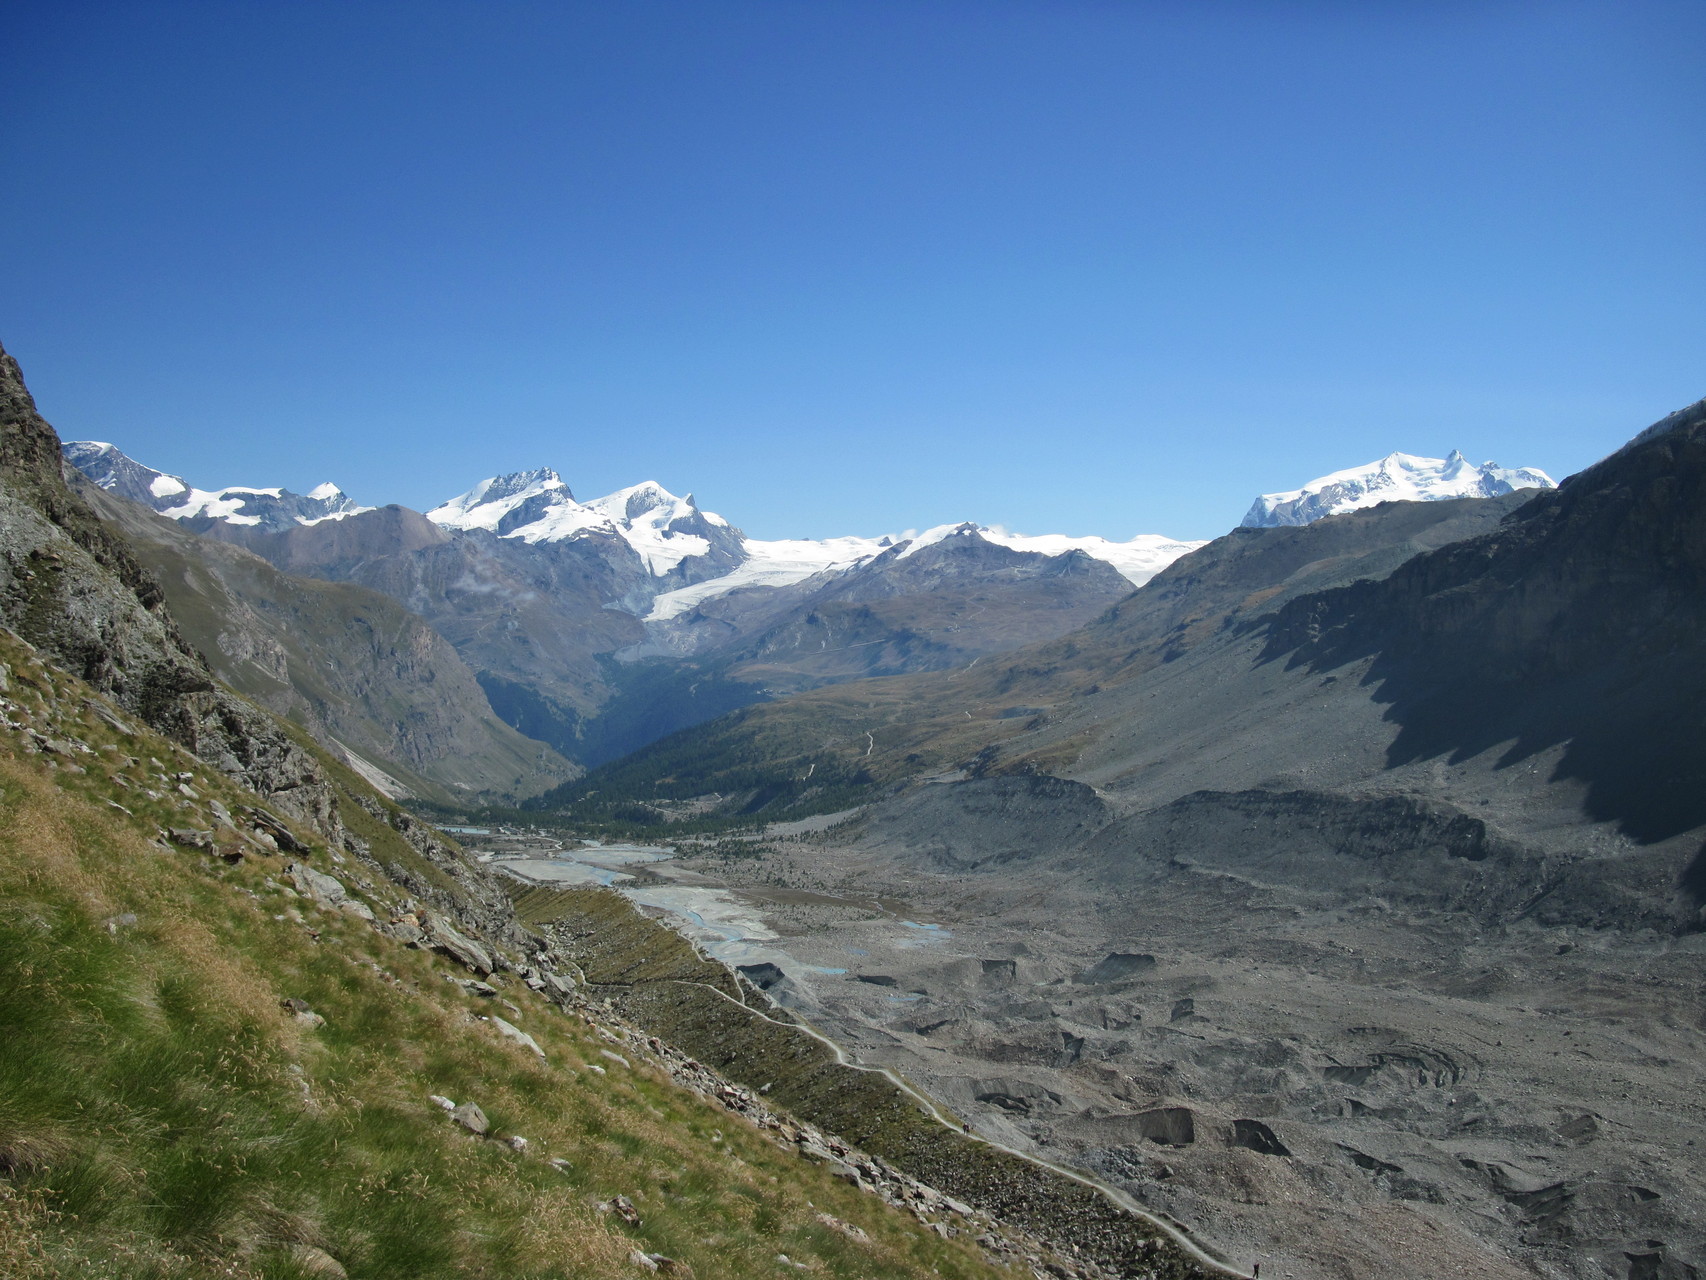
(72, 588)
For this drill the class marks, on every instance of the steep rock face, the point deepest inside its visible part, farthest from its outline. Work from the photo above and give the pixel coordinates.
(530, 620)
(535, 620)
(72, 588)
(1578, 623)
(358, 670)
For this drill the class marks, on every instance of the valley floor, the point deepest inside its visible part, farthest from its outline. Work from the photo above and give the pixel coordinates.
(1331, 1091)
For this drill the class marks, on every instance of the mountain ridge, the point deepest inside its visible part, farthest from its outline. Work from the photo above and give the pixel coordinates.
(565, 610)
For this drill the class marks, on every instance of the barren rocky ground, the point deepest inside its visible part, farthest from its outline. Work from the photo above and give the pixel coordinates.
(1328, 1085)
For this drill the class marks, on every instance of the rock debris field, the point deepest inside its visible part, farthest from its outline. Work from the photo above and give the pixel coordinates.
(1319, 1082)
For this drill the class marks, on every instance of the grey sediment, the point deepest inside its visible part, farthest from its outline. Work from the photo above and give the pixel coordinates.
(658, 980)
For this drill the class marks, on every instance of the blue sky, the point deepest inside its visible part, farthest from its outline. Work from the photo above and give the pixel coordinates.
(849, 267)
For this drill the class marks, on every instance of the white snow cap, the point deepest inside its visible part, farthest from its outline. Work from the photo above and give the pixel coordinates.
(174, 497)
(783, 563)
(1398, 477)
(487, 503)
(536, 506)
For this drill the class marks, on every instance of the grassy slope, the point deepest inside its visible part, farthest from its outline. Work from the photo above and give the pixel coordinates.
(162, 1115)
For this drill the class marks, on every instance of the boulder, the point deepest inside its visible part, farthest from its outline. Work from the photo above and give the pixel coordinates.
(511, 1032)
(273, 827)
(442, 938)
(325, 891)
(404, 931)
(471, 1118)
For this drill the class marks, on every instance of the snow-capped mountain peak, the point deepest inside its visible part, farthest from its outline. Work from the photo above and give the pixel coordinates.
(511, 505)
(1398, 477)
(685, 555)
(537, 507)
(172, 496)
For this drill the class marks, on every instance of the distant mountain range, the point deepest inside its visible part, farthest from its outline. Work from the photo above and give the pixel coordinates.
(598, 626)
(675, 540)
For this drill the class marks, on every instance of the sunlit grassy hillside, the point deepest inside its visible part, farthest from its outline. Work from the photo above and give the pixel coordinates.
(163, 1113)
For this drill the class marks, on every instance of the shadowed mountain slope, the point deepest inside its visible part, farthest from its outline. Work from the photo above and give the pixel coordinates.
(1533, 658)
(1580, 623)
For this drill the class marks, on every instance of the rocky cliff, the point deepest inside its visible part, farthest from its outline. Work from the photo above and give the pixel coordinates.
(73, 589)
